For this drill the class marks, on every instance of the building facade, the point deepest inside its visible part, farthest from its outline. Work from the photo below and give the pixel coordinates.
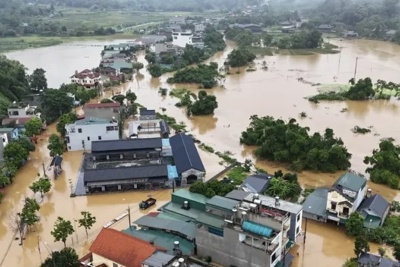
(182, 39)
(16, 111)
(79, 135)
(86, 78)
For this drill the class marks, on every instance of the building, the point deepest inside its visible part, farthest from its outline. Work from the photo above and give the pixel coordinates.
(255, 28)
(147, 114)
(79, 135)
(86, 78)
(120, 47)
(256, 183)
(350, 34)
(177, 20)
(21, 111)
(148, 129)
(199, 27)
(325, 28)
(345, 196)
(368, 259)
(115, 66)
(374, 209)
(166, 48)
(117, 249)
(186, 159)
(314, 207)
(182, 39)
(105, 111)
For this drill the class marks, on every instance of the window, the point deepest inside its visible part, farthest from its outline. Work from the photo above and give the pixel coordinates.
(333, 205)
(110, 128)
(273, 258)
(297, 229)
(99, 137)
(88, 138)
(116, 128)
(69, 147)
(79, 130)
(68, 140)
(298, 217)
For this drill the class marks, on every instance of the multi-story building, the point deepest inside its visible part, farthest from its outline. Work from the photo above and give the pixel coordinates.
(106, 111)
(86, 78)
(79, 135)
(20, 110)
(182, 39)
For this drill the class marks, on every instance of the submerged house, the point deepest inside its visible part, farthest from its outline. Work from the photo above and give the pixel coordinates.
(374, 209)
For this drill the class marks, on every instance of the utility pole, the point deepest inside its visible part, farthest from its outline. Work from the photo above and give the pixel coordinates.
(44, 170)
(355, 69)
(129, 218)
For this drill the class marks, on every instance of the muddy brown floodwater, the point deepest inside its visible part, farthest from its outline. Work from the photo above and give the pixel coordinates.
(275, 92)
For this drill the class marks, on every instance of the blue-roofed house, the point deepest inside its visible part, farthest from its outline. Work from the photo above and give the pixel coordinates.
(187, 159)
(256, 183)
(374, 209)
(345, 196)
(368, 259)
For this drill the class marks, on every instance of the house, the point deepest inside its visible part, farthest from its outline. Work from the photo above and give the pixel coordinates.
(374, 209)
(345, 196)
(120, 47)
(350, 34)
(256, 183)
(199, 27)
(21, 110)
(79, 135)
(152, 39)
(106, 111)
(86, 78)
(198, 42)
(285, 23)
(182, 39)
(148, 129)
(237, 195)
(116, 66)
(390, 33)
(255, 28)
(187, 159)
(162, 48)
(147, 114)
(325, 28)
(314, 207)
(179, 20)
(114, 248)
(159, 259)
(368, 259)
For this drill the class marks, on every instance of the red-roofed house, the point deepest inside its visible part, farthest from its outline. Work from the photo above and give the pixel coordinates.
(116, 249)
(106, 111)
(86, 78)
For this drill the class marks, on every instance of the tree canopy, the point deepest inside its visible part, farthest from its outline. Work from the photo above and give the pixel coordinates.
(385, 164)
(65, 119)
(42, 186)
(285, 186)
(56, 145)
(37, 80)
(206, 75)
(211, 188)
(66, 257)
(87, 221)
(240, 57)
(355, 224)
(55, 103)
(33, 127)
(204, 105)
(288, 142)
(62, 229)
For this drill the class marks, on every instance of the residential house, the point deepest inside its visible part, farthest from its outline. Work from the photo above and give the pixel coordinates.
(198, 42)
(255, 28)
(147, 114)
(286, 23)
(369, 259)
(314, 207)
(106, 111)
(325, 28)
(121, 46)
(187, 159)
(79, 135)
(179, 20)
(148, 129)
(117, 249)
(374, 209)
(86, 78)
(256, 183)
(182, 39)
(21, 110)
(200, 27)
(148, 40)
(288, 29)
(115, 66)
(163, 48)
(345, 196)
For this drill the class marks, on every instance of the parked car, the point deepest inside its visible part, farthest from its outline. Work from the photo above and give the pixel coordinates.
(147, 203)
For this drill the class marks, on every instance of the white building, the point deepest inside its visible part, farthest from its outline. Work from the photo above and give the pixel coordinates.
(16, 111)
(80, 134)
(182, 39)
(177, 20)
(86, 78)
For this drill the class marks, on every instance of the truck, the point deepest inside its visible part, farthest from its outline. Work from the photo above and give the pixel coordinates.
(147, 203)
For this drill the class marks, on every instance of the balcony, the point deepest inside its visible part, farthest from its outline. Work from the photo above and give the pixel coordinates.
(343, 215)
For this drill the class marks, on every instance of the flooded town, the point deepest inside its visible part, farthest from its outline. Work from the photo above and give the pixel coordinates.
(139, 162)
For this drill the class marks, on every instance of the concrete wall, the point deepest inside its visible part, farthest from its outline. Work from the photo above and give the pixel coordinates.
(101, 113)
(98, 260)
(228, 250)
(314, 217)
(186, 174)
(360, 198)
(295, 225)
(181, 39)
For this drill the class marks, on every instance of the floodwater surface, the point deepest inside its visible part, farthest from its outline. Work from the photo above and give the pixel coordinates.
(276, 92)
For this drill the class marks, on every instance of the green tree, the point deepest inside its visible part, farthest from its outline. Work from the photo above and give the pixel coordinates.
(43, 185)
(206, 75)
(131, 97)
(87, 221)
(119, 98)
(4, 180)
(350, 263)
(240, 57)
(66, 257)
(267, 39)
(14, 153)
(38, 80)
(137, 66)
(55, 103)
(360, 245)
(56, 145)
(65, 119)
(62, 229)
(155, 70)
(26, 143)
(28, 214)
(396, 251)
(355, 224)
(106, 100)
(204, 105)
(151, 58)
(213, 39)
(33, 127)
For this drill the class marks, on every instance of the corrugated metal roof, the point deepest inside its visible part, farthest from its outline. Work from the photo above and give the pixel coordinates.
(237, 195)
(375, 205)
(125, 145)
(222, 202)
(183, 193)
(257, 183)
(210, 220)
(185, 153)
(315, 203)
(159, 259)
(351, 181)
(257, 229)
(191, 214)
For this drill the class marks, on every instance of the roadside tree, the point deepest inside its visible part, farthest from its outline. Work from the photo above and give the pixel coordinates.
(43, 185)
(33, 127)
(62, 229)
(66, 257)
(56, 145)
(87, 221)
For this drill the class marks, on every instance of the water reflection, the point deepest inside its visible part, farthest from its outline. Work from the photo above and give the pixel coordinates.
(203, 124)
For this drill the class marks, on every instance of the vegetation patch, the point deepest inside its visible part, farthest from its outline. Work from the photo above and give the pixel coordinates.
(285, 186)
(240, 57)
(205, 75)
(212, 188)
(178, 127)
(206, 148)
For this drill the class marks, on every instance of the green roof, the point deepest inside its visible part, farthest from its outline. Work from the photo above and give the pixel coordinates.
(190, 214)
(222, 202)
(351, 181)
(372, 222)
(190, 196)
(170, 216)
(315, 203)
(210, 220)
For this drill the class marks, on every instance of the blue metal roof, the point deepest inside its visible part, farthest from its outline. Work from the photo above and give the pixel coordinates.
(185, 153)
(165, 142)
(257, 229)
(172, 172)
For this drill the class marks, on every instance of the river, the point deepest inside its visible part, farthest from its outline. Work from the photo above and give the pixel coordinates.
(275, 92)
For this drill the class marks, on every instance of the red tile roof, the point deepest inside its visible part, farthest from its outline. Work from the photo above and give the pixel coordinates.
(103, 105)
(86, 73)
(121, 248)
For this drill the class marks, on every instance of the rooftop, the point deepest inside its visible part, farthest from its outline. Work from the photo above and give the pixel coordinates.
(283, 205)
(147, 112)
(368, 259)
(222, 202)
(124, 173)
(351, 181)
(158, 259)
(191, 214)
(121, 248)
(315, 203)
(102, 105)
(375, 206)
(237, 195)
(257, 183)
(92, 121)
(185, 153)
(211, 220)
(183, 193)
(125, 145)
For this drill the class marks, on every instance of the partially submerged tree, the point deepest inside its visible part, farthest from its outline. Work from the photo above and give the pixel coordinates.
(87, 221)
(355, 224)
(43, 185)
(361, 245)
(66, 257)
(33, 127)
(62, 229)
(56, 145)
(65, 119)
(28, 214)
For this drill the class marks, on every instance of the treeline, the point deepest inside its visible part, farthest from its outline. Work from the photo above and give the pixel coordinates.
(288, 142)
(205, 75)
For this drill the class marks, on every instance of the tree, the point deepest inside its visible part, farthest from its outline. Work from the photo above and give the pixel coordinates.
(43, 185)
(360, 245)
(4, 180)
(106, 100)
(55, 103)
(267, 39)
(56, 145)
(396, 251)
(151, 58)
(213, 39)
(240, 57)
(14, 154)
(28, 214)
(206, 75)
(119, 98)
(62, 229)
(137, 66)
(26, 143)
(204, 105)
(155, 70)
(66, 257)
(350, 263)
(355, 224)
(33, 127)
(65, 119)
(38, 80)
(131, 97)
(87, 221)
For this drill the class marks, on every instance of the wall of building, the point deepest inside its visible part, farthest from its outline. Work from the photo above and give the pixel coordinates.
(228, 250)
(295, 225)
(186, 174)
(334, 196)
(181, 39)
(360, 198)
(264, 220)
(101, 113)
(314, 217)
(90, 132)
(98, 260)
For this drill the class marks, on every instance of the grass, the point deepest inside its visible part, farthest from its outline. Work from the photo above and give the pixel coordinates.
(237, 175)
(263, 51)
